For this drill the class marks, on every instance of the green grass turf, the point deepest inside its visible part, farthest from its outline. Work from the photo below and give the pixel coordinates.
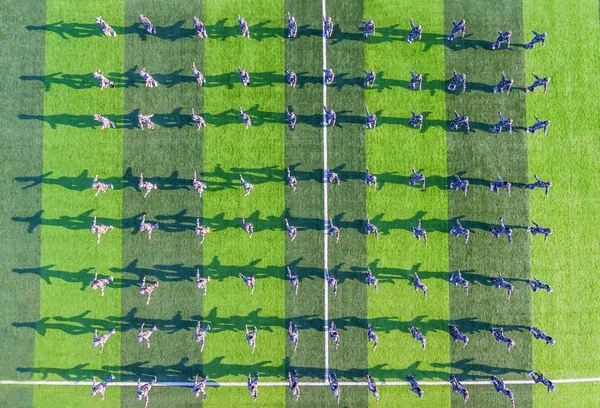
(568, 157)
(257, 153)
(391, 152)
(69, 311)
(19, 248)
(167, 156)
(224, 148)
(304, 155)
(480, 154)
(347, 202)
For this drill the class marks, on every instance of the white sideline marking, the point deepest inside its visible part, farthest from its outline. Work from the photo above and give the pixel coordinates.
(285, 384)
(325, 209)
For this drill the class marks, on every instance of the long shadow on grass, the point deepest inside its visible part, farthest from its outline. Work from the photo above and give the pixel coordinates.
(48, 273)
(219, 179)
(395, 34)
(127, 121)
(79, 222)
(220, 272)
(469, 369)
(162, 273)
(127, 79)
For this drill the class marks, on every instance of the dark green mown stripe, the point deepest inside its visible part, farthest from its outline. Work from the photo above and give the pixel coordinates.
(479, 155)
(167, 156)
(304, 156)
(19, 248)
(347, 202)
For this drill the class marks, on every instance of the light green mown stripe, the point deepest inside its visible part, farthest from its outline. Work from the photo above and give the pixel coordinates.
(69, 310)
(391, 152)
(567, 157)
(229, 149)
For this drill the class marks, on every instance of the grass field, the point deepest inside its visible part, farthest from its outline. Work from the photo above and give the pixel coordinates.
(53, 149)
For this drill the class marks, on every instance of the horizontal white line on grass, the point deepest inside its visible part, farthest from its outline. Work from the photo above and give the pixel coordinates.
(285, 384)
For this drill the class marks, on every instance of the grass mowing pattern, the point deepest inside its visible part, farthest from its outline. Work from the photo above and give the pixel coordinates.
(74, 152)
(566, 156)
(479, 155)
(347, 202)
(20, 248)
(303, 154)
(392, 150)
(258, 154)
(168, 156)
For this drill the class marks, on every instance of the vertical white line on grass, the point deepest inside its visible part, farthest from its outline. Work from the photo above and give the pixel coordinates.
(325, 208)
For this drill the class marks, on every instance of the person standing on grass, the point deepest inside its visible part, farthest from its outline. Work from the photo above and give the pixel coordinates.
(370, 77)
(419, 285)
(100, 387)
(200, 335)
(201, 231)
(331, 281)
(199, 387)
(198, 76)
(415, 79)
(147, 290)
(144, 389)
(253, 386)
(537, 83)
(250, 281)
(100, 186)
(457, 335)
(419, 232)
(248, 227)
(537, 37)
(504, 85)
(371, 228)
(247, 186)
(200, 28)
(327, 27)
(100, 283)
(458, 280)
(291, 78)
(414, 386)
(539, 124)
(416, 31)
(148, 26)
(372, 336)
(502, 37)
(372, 387)
(500, 282)
(457, 27)
(105, 27)
(292, 26)
(293, 335)
(244, 76)
(415, 178)
(251, 338)
(294, 384)
(369, 28)
(105, 123)
(291, 118)
(245, 118)
(201, 281)
(416, 120)
(243, 27)
(294, 281)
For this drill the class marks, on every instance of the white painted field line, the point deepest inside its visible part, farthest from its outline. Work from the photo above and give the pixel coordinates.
(325, 209)
(285, 384)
